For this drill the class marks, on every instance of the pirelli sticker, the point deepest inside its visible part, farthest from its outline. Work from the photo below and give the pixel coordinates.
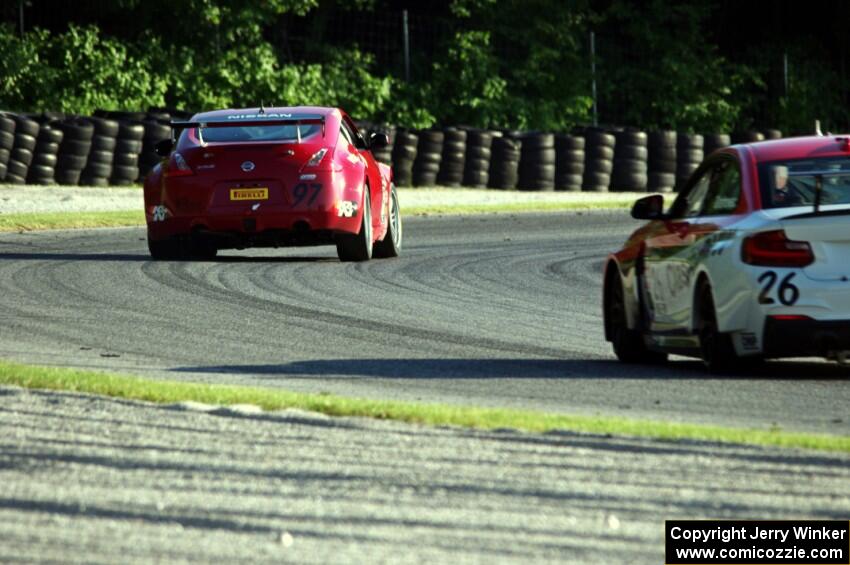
(256, 193)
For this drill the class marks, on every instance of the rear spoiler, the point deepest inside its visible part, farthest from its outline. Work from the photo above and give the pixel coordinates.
(237, 120)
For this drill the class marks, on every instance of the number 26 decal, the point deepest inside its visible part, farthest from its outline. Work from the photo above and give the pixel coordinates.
(787, 293)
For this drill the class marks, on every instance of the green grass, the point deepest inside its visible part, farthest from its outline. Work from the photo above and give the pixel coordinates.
(516, 207)
(79, 220)
(70, 220)
(160, 391)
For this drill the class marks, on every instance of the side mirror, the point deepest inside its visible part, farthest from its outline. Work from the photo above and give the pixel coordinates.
(378, 140)
(163, 147)
(649, 208)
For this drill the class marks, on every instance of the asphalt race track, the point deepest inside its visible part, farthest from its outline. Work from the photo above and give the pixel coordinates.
(489, 310)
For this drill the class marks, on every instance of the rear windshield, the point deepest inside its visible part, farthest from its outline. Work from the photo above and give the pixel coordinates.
(795, 182)
(279, 132)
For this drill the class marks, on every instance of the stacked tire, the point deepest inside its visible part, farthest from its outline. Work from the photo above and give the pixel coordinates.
(689, 155)
(749, 136)
(7, 141)
(599, 160)
(661, 163)
(404, 155)
(569, 162)
(98, 168)
(714, 141)
(43, 167)
(453, 157)
(537, 162)
(504, 163)
(74, 149)
(772, 134)
(629, 171)
(429, 153)
(155, 131)
(128, 146)
(476, 168)
(21, 155)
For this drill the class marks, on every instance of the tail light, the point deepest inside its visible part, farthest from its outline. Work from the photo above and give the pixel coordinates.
(316, 158)
(774, 249)
(178, 167)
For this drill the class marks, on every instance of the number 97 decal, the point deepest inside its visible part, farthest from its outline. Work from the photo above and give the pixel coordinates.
(306, 193)
(787, 293)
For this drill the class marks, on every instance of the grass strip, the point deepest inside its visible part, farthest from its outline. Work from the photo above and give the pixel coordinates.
(31, 221)
(160, 391)
(70, 220)
(514, 207)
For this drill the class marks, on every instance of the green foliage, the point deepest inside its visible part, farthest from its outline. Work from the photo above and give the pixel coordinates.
(74, 72)
(467, 83)
(657, 70)
(505, 63)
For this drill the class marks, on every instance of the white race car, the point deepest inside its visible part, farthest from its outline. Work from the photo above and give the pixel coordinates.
(751, 261)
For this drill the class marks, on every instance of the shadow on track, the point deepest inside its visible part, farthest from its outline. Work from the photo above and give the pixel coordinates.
(573, 369)
(144, 257)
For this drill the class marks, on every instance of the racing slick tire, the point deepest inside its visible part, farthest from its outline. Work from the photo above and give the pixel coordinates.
(358, 246)
(163, 250)
(628, 344)
(717, 349)
(390, 246)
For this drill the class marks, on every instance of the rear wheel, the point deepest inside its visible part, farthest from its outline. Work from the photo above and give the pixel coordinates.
(628, 344)
(718, 352)
(390, 246)
(358, 247)
(163, 250)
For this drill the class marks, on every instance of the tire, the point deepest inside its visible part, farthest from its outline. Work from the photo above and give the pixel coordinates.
(103, 143)
(26, 126)
(718, 352)
(44, 159)
(7, 124)
(358, 247)
(390, 246)
(7, 140)
(75, 162)
(21, 155)
(16, 168)
(40, 172)
(164, 250)
(628, 344)
(75, 147)
(25, 141)
(631, 152)
(599, 152)
(131, 131)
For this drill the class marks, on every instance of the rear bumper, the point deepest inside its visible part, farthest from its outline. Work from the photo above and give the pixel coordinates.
(805, 338)
(268, 229)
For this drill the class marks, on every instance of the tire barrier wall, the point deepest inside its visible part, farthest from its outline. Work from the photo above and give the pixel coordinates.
(629, 171)
(689, 154)
(714, 141)
(537, 162)
(7, 141)
(569, 162)
(404, 155)
(117, 148)
(43, 167)
(429, 153)
(661, 161)
(598, 160)
(453, 157)
(98, 168)
(504, 163)
(479, 149)
(21, 154)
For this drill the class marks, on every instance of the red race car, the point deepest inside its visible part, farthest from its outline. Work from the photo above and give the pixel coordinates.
(271, 177)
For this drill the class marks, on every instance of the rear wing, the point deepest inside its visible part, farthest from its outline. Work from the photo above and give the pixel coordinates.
(250, 120)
